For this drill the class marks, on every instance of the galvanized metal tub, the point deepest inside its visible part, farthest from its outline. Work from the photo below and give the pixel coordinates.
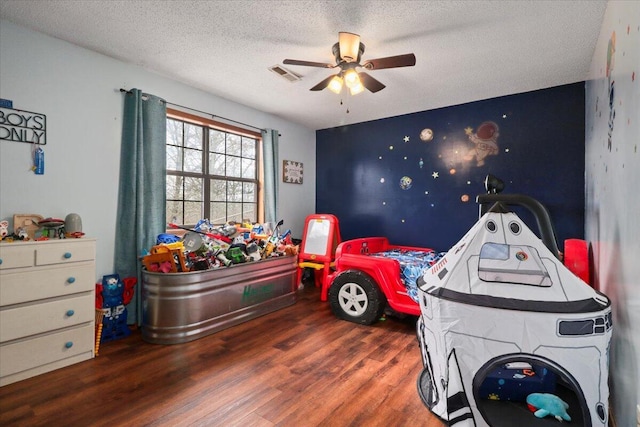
(182, 307)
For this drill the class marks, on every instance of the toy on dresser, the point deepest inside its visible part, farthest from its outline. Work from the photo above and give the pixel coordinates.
(4, 229)
(112, 296)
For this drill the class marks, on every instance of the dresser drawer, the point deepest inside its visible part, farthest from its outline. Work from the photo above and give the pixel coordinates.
(27, 320)
(65, 252)
(23, 355)
(16, 256)
(39, 283)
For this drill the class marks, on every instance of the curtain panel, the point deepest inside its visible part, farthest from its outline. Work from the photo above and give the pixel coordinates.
(271, 179)
(141, 214)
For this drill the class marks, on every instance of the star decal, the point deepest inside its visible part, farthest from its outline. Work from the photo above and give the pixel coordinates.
(468, 130)
(435, 175)
(406, 139)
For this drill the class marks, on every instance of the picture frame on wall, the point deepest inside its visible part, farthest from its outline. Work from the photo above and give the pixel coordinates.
(292, 172)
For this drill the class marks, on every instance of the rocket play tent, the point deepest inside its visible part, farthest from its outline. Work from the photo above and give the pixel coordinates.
(501, 318)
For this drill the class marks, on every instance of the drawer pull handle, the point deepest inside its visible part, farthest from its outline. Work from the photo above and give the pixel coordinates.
(67, 255)
(71, 279)
(0, 260)
(68, 344)
(70, 313)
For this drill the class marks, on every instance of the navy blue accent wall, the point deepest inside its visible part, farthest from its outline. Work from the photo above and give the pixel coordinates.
(414, 178)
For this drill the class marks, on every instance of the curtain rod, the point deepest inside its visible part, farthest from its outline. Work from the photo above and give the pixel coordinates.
(213, 116)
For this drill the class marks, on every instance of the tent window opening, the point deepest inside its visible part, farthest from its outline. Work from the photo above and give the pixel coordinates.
(517, 264)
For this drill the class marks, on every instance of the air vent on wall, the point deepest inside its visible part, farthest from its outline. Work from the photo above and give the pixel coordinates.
(284, 73)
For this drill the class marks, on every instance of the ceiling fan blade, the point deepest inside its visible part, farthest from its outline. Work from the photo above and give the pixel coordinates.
(407, 60)
(323, 84)
(307, 63)
(370, 83)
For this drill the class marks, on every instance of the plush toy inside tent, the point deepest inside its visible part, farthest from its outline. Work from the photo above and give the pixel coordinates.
(503, 319)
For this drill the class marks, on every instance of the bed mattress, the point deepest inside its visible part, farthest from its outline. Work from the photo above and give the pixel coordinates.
(413, 264)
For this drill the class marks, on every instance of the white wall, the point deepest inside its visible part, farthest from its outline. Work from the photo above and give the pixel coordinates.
(78, 91)
(612, 195)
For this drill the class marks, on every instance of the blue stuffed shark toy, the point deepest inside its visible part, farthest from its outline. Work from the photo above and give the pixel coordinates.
(544, 404)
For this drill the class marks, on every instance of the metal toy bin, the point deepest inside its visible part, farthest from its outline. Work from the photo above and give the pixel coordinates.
(182, 307)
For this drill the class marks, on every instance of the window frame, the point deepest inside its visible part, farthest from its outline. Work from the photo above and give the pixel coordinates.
(206, 176)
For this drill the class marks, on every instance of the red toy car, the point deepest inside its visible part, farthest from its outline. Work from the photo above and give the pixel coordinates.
(367, 279)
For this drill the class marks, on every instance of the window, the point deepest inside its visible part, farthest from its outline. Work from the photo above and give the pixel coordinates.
(212, 171)
(519, 264)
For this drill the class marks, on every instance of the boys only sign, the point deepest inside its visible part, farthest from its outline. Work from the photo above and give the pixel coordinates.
(22, 126)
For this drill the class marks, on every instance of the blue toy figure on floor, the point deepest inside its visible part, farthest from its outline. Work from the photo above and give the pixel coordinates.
(544, 404)
(115, 294)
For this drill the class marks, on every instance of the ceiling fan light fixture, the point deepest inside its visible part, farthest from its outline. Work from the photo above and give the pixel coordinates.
(335, 84)
(349, 46)
(351, 78)
(356, 89)
(348, 52)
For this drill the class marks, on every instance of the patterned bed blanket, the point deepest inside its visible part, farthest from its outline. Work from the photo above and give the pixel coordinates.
(413, 264)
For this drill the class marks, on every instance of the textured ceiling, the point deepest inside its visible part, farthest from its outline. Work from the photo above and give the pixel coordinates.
(465, 50)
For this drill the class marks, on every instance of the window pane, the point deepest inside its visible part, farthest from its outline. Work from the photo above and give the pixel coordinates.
(234, 145)
(216, 141)
(218, 190)
(174, 158)
(248, 168)
(248, 148)
(234, 212)
(192, 160)
(218, 213)
(193, 137)
(250, 212)
(193, 189)
(248, 192)
(174, 132)
(192, 212)
(233, 166)
(174, 212)
(216, 164)
(174, 187)
(234, 191)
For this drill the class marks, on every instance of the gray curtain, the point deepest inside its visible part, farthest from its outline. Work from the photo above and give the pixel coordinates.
(141, 212)
(271, 178)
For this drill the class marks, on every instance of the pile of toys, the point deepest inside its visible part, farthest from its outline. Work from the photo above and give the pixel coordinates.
(208, 247)
(35, 227)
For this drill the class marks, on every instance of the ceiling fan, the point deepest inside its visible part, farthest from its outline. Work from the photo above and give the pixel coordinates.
(348, 53)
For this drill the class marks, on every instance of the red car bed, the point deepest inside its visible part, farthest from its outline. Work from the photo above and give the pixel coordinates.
(371, 274)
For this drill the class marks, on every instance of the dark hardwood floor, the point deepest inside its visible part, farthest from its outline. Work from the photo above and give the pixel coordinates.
(299, 366)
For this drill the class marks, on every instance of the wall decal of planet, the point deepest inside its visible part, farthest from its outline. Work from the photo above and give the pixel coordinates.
(426, 134)
(405, 182)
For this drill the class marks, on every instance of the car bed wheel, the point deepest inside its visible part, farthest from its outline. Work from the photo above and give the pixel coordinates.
(354, 296)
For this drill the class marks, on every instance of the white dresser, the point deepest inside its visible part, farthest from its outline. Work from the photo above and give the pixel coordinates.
(47, 306)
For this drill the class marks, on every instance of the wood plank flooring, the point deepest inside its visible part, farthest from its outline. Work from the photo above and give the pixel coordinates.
(299, 366)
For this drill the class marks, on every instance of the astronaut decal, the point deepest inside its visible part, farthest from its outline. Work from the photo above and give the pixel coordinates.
(485, 140)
